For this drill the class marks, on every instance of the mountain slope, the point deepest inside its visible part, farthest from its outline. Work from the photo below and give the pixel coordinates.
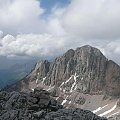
(93, 72)
(82, 78)
(38, 105)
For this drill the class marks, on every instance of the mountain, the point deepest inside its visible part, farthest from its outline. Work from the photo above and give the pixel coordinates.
(81, 78)
(15, 73)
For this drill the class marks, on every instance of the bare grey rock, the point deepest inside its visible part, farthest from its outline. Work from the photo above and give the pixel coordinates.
(39, 114)
(20, 109)
(72, 114)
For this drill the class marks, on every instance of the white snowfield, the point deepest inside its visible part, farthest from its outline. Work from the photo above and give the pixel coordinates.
(107, 110)
(100, 108)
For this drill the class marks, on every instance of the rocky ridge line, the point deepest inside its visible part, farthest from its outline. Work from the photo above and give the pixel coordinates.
(96, 74)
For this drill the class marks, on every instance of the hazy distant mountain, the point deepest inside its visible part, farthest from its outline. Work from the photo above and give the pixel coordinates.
(15, 73)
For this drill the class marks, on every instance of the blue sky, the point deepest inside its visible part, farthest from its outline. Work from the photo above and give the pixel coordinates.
(49, 4)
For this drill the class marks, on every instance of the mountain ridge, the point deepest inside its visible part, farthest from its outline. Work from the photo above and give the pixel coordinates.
(84, 60)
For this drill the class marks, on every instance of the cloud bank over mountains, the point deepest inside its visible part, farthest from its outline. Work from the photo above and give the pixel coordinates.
(81, 22)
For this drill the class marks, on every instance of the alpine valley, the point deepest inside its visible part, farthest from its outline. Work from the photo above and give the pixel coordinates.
(67, 88)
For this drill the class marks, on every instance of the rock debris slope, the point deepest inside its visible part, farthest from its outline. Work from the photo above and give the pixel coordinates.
(38, 105)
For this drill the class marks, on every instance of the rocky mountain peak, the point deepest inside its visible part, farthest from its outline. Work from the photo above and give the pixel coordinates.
(86, 69)
(69, 54)
(89, 50)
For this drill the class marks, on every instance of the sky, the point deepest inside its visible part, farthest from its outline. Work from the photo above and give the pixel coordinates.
(47, 28)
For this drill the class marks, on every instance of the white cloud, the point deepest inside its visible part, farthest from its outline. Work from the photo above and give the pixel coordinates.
(33, 45)
(94, 22)
(47, 45)
(85, 18)
(1, 34)
(112, 50)
(21, 16)
(93, 18)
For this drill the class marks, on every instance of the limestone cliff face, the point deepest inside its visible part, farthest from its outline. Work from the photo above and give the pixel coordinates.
(85, 70)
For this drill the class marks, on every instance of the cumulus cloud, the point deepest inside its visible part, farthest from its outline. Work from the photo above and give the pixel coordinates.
(85, 18)
(33, 45)
(112, 50)
(26, 16)
(93, 18)
(21, 16)
(47, 45)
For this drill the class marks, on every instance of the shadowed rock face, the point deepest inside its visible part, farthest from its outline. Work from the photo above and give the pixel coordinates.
(38, 105)
(113, 78)
(93, 72)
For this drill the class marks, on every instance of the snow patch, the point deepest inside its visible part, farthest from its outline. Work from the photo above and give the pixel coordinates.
(68, 79)
(106, 112)
(75, 87)
(57, 98)
(43, 80)
(69, 102)
(50, 88)
(100, 108)
(64, 90)
(62, 84)
(36, 81)
(74, 84)
(64, 101)
(32, 89)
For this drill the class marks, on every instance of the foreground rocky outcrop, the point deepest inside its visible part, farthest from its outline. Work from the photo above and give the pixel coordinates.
(26, 106)
(38, 105)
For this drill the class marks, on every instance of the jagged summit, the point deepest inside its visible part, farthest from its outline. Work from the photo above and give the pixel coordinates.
(90, 50)
(86, 48)
(70, 53)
